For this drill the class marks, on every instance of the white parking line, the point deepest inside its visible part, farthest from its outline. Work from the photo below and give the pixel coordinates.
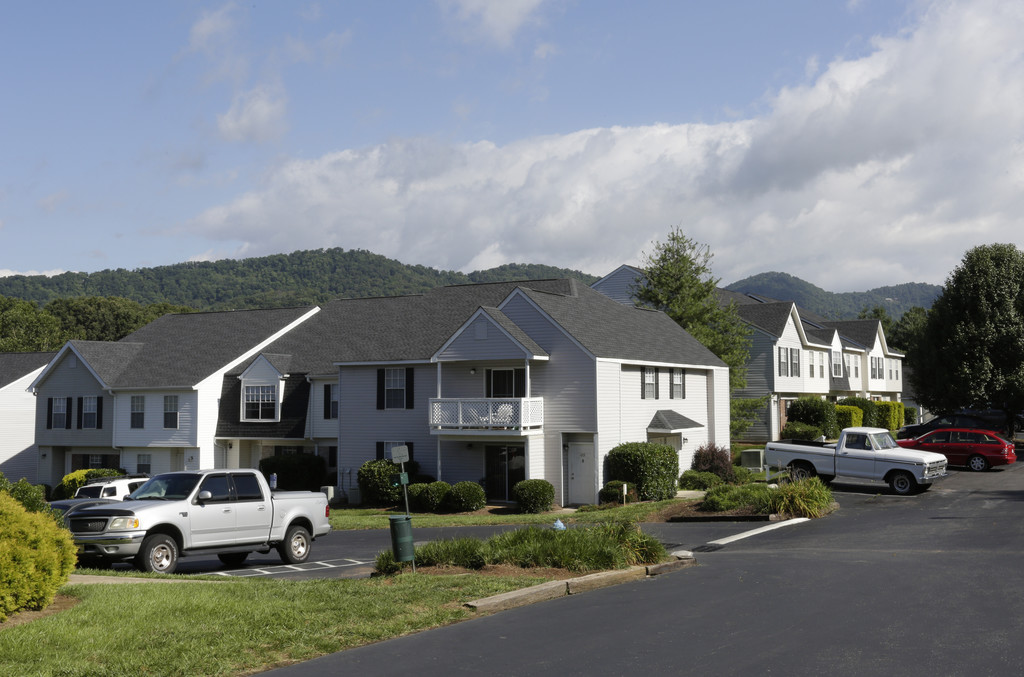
(761, 530)
(290, 568)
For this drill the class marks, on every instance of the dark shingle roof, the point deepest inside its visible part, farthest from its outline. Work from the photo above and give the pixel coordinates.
(181, 350)
(769, 317)
(863, 332)
(668, 420)
(16, 365)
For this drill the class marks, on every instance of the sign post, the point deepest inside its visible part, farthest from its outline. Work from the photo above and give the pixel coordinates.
(401, 528)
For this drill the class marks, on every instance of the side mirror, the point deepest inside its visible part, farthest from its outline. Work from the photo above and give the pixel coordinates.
(204, 495)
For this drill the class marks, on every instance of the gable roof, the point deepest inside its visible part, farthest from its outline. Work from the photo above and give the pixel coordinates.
(180, 350)
(14, 366)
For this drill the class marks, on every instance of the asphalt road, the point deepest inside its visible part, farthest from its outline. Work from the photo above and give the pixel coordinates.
(919, 585)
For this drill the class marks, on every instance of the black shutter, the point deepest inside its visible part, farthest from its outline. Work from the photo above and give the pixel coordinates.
(410, 398)
(67, 413)
(380, 388)
(380, 451)
(99, 413)
(657, 389)
(409, 444)
(487, 383)
(643, 383)
(49, 413)
(78, 416)
(327, 400)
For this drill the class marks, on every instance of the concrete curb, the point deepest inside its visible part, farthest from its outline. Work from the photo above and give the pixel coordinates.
(574, 586)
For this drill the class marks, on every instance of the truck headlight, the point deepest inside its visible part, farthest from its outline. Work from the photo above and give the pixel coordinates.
(124, 523)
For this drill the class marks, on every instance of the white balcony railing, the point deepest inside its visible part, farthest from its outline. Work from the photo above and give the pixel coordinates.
(487, 413)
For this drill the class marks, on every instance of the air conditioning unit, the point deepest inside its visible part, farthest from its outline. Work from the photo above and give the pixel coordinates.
(752, 458)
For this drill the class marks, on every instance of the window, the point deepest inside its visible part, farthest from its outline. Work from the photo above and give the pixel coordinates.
(856, 368)
(95, 460)
(650, 384)
(506, 383)
(384, 449)
(846, 366)
(88, 410)
(678, 391)
(394, 388)
(58, 412)
(330, 400)
(138, 413)
(218, 487)
(821, 365)
(794, 361)
(896, 364)
(260, 403)
(837, 364)
(783, 362)
(171, 412)
(247, 487)
(810, 364)
(143, 463)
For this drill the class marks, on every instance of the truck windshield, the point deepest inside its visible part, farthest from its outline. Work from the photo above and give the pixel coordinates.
(168, 487)
(883, 441)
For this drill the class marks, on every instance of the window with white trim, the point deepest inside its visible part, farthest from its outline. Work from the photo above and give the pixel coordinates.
(138, 414)
(89, 412)
(58, 417)
(678, 391)
(144, 463)
(650, 391)
(260, 403)
(170, 412)
(794, 361)
(394, 388)
(821, 365)
(837, 364)
(783, 362)
(846, 366)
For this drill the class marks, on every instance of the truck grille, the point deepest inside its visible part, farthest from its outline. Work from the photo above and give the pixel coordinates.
(88, 525)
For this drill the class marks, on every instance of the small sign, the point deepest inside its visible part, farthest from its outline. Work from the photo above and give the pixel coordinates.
(400, 454)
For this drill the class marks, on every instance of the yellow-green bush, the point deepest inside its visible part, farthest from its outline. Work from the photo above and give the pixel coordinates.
(70, 482)
(849, 416)
(890, 414)
(36, 557)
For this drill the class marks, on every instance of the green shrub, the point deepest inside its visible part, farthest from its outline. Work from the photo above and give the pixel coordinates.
(458, 552)
(909, 415)
(434, 496)
(534, 496)
(710, 457)
(848, 416)
(385, 564)
(31, 496)
(70, 483)
(871, 417)
(744, 475)
(731, 497)
(415, 492)
(653, 468)
(297, 472)
(816, 412)
(890, 415)
(611, 493)
(375, 487)
(36, 557)
(794, 430)
(466, 497)
(696, 480)
(806, 498)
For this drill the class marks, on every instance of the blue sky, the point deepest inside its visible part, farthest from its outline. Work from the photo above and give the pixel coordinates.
(852, 143)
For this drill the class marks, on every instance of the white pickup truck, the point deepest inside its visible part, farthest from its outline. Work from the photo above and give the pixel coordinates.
(229, 513)
(861, 453)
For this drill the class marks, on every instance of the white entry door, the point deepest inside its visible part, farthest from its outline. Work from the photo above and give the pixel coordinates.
(582, 472)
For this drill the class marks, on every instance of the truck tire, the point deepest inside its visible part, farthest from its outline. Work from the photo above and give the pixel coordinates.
(294, 549)
(902, 483)
(232, 559)
(801, 471)
(158, 554)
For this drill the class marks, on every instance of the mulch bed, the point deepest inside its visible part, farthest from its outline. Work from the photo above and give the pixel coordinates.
(690, 510)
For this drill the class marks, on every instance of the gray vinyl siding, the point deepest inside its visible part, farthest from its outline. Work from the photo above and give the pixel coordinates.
(65, 380)
(618, 285)
(482, 340)
(760, 380)
(318, 427)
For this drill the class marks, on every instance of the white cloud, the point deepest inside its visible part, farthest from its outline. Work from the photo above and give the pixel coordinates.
(7, 272)
(256, 115)
(497, 22)
(881, 170)
(53, 201)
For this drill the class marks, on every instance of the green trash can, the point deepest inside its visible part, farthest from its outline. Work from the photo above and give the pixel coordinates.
(401, 538)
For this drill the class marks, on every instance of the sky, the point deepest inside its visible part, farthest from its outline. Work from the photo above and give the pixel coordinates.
(851, 143)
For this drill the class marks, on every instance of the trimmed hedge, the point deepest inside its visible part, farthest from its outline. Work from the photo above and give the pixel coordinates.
(816, 412)
(534, 496)
(794, 430)
(36, 557)
(466, 497)
(890, 415)
(612, 492)
(696, 480)
(848, 416)
(374, 479)
(297, 472)
(431, 498)
(710, 457)
(70, 483)
(653, 468)
(871, 417)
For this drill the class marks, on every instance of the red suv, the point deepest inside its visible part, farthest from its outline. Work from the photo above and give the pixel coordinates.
(977, 449)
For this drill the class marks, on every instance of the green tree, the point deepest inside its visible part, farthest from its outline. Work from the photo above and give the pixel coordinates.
(878, 313)
(679, 282)
(105, 318)
(26, 328)
(971, 352)
(907, 330)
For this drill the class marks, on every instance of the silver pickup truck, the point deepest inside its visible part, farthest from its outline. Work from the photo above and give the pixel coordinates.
(861, 453)
(229, 513)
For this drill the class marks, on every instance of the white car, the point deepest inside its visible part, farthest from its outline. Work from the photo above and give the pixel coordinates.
(111, 487)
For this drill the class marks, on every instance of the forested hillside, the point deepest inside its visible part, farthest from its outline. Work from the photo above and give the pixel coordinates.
(299, 278)
(840, 306)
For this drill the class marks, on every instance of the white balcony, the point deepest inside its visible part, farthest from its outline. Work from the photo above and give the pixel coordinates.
(474, 415)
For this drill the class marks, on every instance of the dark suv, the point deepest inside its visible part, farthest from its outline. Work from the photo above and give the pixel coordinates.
(949, 421)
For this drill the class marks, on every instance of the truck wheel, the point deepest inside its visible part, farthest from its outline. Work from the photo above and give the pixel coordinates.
(232, 559)
(902, 483)
(295, 547)
(801, 471)
(159, 554)
(977, 463)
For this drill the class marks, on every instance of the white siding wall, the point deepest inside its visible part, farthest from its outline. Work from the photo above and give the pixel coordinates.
(19, 455)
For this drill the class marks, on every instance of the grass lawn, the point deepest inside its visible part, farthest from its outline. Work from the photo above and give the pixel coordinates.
(232, 627)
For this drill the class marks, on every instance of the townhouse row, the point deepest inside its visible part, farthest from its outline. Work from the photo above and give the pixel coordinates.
(491, 383)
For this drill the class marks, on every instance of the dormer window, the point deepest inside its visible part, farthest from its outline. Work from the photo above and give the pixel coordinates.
(260, 403)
